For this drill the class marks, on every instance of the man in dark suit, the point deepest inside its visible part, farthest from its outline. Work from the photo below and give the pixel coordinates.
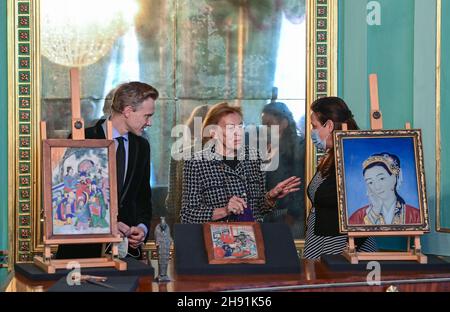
(132, 109)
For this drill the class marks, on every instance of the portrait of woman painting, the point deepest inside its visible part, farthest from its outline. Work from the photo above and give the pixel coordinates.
(78, 188)
(234, 242)
(381, 181)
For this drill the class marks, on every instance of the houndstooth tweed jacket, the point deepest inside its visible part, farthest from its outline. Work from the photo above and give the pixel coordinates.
(208, 183)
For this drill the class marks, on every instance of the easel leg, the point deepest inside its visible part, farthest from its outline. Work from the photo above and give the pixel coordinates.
(47, 253)
(45, 262)
(115, 250)
(421, 258)
(350, 253)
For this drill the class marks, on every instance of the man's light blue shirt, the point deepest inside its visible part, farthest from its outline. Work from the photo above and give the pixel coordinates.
(115, 135)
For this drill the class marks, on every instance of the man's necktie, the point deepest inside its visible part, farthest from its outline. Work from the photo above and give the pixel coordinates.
(120, 164)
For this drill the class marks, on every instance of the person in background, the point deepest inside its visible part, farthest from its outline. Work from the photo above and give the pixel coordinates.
(107, 104)
(290, 210)
(174, 192)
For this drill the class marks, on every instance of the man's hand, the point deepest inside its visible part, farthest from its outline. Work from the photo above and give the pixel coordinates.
(124, 229)
(137, 236)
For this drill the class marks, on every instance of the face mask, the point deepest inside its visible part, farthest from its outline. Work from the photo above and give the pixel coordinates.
(318, 142)
(123, 248)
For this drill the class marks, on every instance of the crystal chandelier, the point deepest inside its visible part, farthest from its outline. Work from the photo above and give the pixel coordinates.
(78, 33)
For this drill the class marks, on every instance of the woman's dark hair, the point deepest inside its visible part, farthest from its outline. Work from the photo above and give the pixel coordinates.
(199, 111)
(388, 170)
(334, 109)
(290, 138)
(280, 111)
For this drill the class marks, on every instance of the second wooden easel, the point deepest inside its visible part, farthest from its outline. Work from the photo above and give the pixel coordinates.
(46, 262)
(414, 253)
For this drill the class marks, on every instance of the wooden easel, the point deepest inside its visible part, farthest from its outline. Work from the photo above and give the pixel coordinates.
(415, 253)
(45, 262)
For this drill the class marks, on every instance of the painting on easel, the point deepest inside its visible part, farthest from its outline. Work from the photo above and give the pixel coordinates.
(381, 181)
(78, 189)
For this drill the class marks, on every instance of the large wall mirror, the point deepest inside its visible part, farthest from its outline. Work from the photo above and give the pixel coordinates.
(196, 53)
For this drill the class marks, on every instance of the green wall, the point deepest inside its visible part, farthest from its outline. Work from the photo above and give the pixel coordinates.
(3, 129)
(387, 50)
(352, 58)
(390, 53)
(402, 51)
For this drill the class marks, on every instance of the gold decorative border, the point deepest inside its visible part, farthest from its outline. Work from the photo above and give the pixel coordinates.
(24, 148)
(11, 13)
(439, 227)
(24, 116)
(321, 67)
(416, 135)
(333, 47)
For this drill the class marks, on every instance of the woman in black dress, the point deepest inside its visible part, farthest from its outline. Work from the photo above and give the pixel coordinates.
(322, 232)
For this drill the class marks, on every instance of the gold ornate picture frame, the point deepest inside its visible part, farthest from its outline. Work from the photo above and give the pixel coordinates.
(381, 181)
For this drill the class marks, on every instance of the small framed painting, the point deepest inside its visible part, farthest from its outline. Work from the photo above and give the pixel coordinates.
(234, 242)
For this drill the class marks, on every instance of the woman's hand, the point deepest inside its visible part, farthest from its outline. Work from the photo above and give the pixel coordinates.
(284, 188)
(375, 206)
(375, 202)
(236, 205)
